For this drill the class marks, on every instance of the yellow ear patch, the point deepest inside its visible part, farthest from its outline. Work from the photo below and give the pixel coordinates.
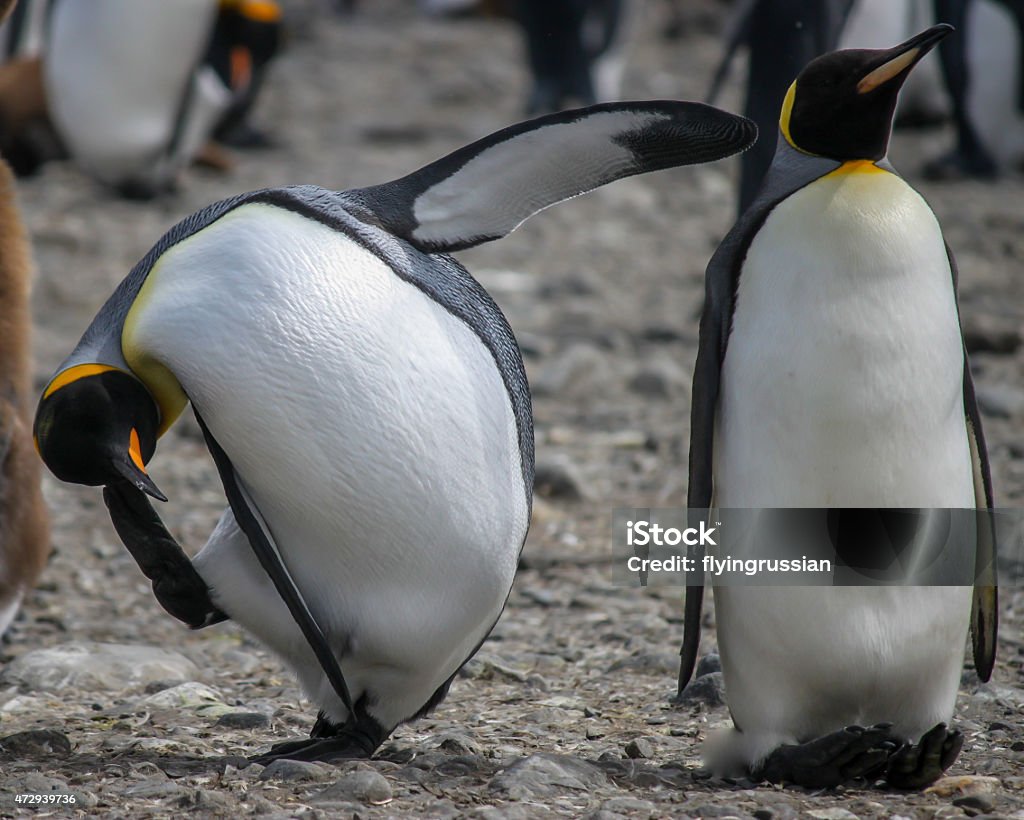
(787, 112)
(887, 71)
(73, 374)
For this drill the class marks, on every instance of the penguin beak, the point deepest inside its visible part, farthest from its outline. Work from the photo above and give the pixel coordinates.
(133, 469)
(896, 62)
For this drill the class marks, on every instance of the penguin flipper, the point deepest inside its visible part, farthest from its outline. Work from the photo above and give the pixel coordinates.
(251, 522)
(487, 189)
(985, 601)
(177, 586)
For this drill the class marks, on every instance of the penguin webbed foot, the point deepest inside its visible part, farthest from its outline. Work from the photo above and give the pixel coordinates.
(915, 766)
(178, 588)
(330, 742)
(830, 760)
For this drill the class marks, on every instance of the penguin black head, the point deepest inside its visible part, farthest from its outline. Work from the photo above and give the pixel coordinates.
(841, 106)
(96, 425)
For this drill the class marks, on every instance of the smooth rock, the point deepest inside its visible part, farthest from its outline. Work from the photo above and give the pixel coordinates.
(963, 785)
(638, 748)
(979, 803)
(295, 771)
(459, 744)
(626, 805)
(708, 689)
(1000, 400)
(365, 785)
(648, 663)
(650, 384)
(708, 664)
(833, 813)
(35, 743)
(546, 775)
(189, 695)
(718, 811)
(243, 720)
(558, 479)
(97, 667)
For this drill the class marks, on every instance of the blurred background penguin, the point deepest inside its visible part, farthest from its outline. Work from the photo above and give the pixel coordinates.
(134, 91)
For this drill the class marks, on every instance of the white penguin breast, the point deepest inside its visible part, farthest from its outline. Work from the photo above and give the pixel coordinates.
(842, 380)
(371, 426)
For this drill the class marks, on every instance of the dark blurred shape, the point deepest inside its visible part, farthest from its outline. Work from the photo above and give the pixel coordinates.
(969, 157)
(782, 36)
(27, 137)
(565, 39)
(246, 38)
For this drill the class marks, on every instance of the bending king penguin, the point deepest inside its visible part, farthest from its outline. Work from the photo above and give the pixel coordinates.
(365, 403)
(832, 373)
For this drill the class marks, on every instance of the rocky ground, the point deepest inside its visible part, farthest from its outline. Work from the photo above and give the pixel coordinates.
(565, 711)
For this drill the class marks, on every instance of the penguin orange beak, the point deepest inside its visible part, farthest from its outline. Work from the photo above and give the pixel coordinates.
(897, 61)
(133, 468)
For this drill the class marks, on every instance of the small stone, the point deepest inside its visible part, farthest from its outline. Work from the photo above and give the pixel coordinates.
(650, 385)
(833, 813)
(243, 720)
(947, 813)
(708, 664)
(97, 667)
(557, 479)
(189, 695)
(638, 748)
(546, 775)
(963, 785)
(975, 803)
(708, 689)
(626, 805)
(595, 733)
(364, 785)
(35, 743)
(539, 596)
(1000, 400)
(156, 788)
(710, 810)
(458, 744)
(648, 663)
(295, 771)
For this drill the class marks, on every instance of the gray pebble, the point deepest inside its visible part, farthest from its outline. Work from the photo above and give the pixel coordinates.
(650, 385)
(708, 689)
(718, 811)
(639, 747)
(97, 667)
(558, 479)
(294, 771)
(976, 803)
(364, 785)
(625, 805)
(546, 775)
(243, 720)
(648, 663)
(156, 788)
(459, 744)
(708, 664)
(35, 743)
(833, 813)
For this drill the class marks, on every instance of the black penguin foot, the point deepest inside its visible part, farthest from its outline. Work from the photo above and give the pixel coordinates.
(832, 759)
(330, 742)
(177, 586)
(919, 765)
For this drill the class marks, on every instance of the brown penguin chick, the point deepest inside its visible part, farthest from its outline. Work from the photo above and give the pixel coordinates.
(24, 531)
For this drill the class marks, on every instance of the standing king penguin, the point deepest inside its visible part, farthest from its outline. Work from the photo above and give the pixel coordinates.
(831, 372)
(364, 400)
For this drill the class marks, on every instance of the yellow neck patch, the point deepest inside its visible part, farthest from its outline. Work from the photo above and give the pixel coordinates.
(73, 374)
(857, 166)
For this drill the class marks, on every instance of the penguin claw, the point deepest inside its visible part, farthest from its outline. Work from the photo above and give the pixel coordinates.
(915, 766)
(830, 760)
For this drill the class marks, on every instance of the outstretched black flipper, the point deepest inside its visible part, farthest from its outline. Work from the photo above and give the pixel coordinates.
(487, 189)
